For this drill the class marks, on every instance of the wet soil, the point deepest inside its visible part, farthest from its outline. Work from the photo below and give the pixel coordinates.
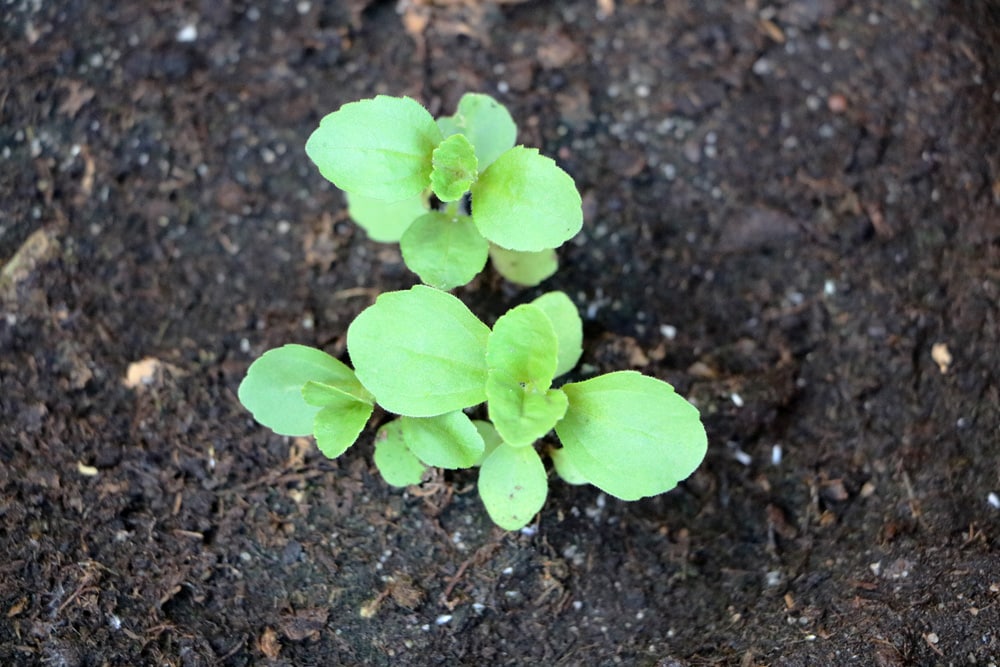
(792, 214)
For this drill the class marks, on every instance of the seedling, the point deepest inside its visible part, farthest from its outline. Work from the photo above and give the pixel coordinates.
(422, 355)
(390, 157)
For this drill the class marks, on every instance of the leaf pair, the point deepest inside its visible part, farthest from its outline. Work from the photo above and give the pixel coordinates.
(388, 154)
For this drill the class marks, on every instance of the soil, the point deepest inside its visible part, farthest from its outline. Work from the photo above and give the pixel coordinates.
(792, 214)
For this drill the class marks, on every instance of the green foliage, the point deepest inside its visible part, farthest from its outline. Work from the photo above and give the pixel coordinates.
(389, 155)
(421, 354)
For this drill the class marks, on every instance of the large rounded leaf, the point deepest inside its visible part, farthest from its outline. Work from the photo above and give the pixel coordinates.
(523, 201)
(513, 485)
(630, 435)
(272, 388)
(379, 148)
(421, 352)
(524, 268)
(446, 251)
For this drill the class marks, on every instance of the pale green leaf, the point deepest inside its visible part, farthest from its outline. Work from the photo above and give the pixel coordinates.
(338, 425)
(447, 441)
(385, 221)
(523, 201)
(630, 435)
(321, 395)
(565, 467)
(522, 353)
(520, 413)
(272, 388)
(455, 168)
(446, 251)
(491, 439)
(486, 123)
(421, 352)
(513, 485)
(524, 268)
(566, 322)
(379, 148)
(396, 463)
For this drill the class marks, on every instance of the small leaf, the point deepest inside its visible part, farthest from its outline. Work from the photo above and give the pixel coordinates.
(513, 486)
(491, 438)
(522, 353)
(566, 322)
(272, 388)
(447, 441)
(421, 352)
(379, 148)
(523, 201)
(630, 435)
(524, 268)
(396, 463)
(486, 123)
(337, 426)
(565, 467)
(445, 251)
(385, 221)
(455, 168)
(520, 414)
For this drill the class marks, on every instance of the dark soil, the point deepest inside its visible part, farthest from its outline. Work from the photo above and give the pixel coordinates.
(792, 214)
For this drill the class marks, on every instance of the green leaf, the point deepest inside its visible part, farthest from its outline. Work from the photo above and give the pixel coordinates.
(520, 414)
(379, 148)
(513, 485)
(455, 168)
(446, 251)
(524, 268)
(565, 467)
(447, 441)
(630, 435)
(322, 395)
(396, 463)
(385, 221)
(421, 352)
(523, 201)
(272, 388)
(566, 322)
(522, 353)
(491, 438)
(486, 123)
(337, 426)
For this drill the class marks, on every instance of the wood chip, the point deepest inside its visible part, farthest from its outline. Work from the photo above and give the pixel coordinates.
(941, 356)
(141, 372)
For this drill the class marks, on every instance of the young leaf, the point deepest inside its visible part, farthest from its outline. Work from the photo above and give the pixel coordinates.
(378, 148)
(421, 352)
(447, 441)
(523, 201)
(455, 168)
(446, 251)
(396, 463)
(521, 414)
(272, 388)
(385, 221)
(524, 268)
(565, 467)
(522, 353)
(491, 438)
(513, 485)
(486, 123)
(566, 322)
(630, 435)
(338, 425)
